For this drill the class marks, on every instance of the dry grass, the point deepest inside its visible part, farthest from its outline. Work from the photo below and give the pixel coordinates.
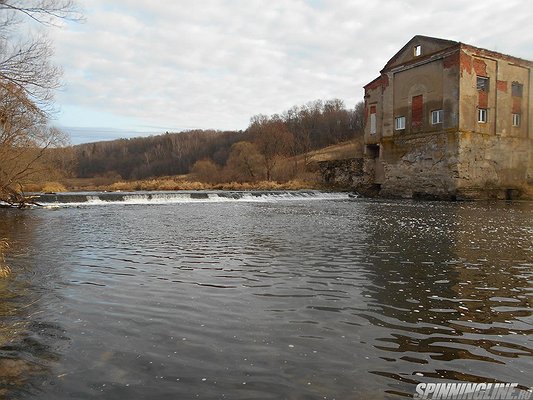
(5, 271)
(76, 184)
(54, 187)
(169, 183)
(295, 184)
(32, 187)
(341, 151)
(46, 187)
(308, 180)
(154, 184)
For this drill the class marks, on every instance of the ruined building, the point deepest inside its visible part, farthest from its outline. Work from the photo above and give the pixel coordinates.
(449, 120)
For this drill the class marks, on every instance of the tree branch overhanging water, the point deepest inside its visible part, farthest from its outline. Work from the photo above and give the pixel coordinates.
(28, 79)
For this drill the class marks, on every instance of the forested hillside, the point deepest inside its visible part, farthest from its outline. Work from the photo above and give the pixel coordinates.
(138, 158)
(253, 154)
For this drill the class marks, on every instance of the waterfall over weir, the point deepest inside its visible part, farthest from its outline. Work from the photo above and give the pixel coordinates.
(171, 197)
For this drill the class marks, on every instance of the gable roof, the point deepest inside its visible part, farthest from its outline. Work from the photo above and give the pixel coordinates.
(428, 45)
(434, 48)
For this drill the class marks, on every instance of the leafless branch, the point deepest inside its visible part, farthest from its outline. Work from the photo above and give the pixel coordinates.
(45, 12)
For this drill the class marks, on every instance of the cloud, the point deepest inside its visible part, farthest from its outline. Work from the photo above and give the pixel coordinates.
(215, 63)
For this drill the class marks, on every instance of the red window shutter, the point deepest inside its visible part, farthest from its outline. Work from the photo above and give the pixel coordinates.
(417, 111)
(483, 99)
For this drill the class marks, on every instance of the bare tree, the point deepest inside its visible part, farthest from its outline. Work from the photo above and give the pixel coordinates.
(358, 118)
(28, 79)
(27, 66)
(27, 63)
(24, 137)
(272, 140)
(46, 12)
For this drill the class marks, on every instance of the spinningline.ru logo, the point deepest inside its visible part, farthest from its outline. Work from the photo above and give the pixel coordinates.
(477, 391)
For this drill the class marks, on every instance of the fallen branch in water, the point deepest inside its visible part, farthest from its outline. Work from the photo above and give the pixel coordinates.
(16, 199)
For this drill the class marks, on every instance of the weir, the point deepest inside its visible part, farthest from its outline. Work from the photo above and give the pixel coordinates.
(171, 197)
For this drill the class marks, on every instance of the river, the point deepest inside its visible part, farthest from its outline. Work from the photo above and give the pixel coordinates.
(267, 296)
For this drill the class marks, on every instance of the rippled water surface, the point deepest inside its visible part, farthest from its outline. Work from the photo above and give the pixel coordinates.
(302, 299)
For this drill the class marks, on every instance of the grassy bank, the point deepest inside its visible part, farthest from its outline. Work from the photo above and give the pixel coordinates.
(181, 183)
(169, 183)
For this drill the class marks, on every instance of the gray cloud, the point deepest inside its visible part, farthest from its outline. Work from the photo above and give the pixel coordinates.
(215, 63)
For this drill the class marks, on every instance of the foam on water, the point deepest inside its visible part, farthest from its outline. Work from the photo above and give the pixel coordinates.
(146, 198)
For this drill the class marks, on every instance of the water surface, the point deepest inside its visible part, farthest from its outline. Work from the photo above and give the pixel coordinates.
(282, 297)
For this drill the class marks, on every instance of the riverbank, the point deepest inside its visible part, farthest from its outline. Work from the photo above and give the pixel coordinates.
(169, 183)
(308, 177)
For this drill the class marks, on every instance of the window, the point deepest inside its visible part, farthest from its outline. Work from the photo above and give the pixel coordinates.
(516, 89)
(436, 117)
(482, 115)
(373, 121)
(417, 51)
(482, 84)
(372, 124)
(400, 123)
(516, 119)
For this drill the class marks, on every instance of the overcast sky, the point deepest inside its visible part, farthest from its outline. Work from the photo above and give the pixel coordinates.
(138, 67)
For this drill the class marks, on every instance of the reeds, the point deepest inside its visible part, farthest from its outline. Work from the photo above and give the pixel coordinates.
(177, 184)
(5, 271)
(46, 187)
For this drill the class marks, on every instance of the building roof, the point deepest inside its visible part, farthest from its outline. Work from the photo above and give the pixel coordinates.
(433, 47)
(429, 44)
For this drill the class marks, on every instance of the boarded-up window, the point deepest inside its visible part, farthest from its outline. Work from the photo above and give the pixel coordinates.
(516, 89)
(373, 122)
(482, 84)
(417, 111)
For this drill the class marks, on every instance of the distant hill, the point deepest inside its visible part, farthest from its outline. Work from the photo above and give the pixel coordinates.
(301, 130)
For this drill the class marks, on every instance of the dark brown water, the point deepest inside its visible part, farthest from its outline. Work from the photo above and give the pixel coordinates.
(271, 299)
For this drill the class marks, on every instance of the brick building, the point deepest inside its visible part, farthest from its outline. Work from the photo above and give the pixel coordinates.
(449, 120)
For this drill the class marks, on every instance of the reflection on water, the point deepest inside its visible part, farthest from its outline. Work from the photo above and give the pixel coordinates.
(29, 345)
(451, 286)
(302, 299)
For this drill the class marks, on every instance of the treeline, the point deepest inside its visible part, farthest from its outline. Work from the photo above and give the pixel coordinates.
(144, 157)
(252, 154)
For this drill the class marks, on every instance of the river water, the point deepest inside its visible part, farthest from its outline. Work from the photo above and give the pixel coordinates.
(277, 296)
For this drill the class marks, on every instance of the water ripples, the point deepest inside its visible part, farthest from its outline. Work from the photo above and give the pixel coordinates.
(322, 299)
